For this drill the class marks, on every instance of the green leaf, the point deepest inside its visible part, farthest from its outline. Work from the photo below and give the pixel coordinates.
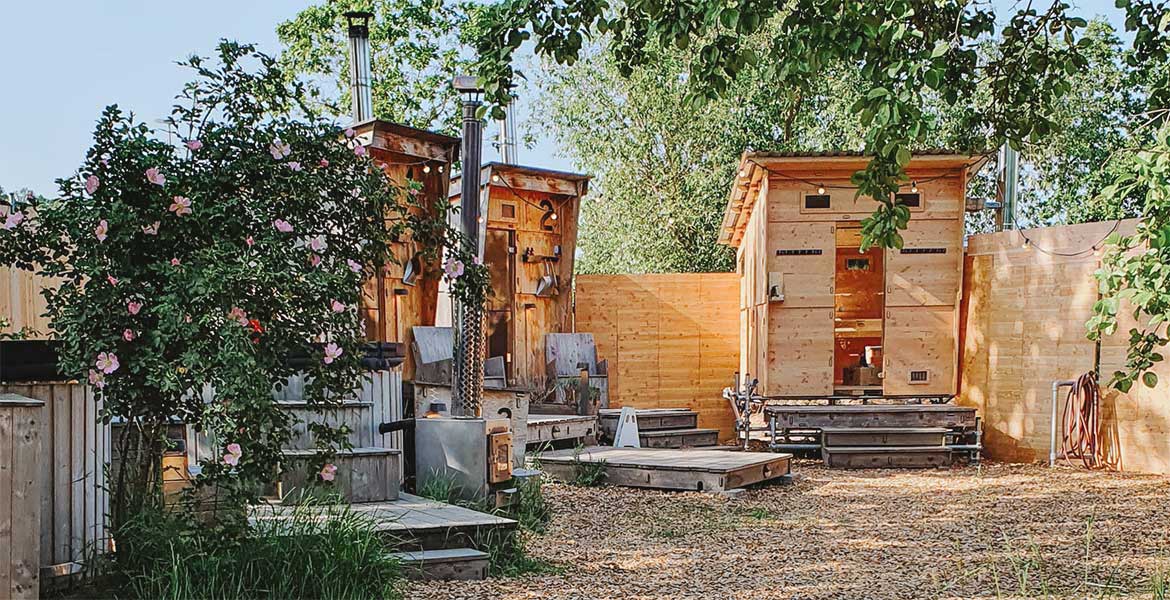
(1150, 379)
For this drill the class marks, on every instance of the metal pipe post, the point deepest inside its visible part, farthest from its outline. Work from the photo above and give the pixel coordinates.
(467, 370)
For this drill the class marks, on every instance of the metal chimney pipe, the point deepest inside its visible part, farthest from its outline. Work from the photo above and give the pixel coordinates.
(467, 370)
(360, 78)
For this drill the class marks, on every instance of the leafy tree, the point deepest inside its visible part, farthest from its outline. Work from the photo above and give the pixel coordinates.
(413, 50)
(228, 263)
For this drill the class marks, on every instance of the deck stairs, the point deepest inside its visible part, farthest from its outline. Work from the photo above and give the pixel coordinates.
(876, 436)
(662, 428)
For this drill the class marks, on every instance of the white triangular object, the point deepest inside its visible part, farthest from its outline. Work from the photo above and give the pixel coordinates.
(627, 429)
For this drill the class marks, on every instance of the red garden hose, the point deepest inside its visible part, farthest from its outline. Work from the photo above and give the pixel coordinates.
(1082, 423)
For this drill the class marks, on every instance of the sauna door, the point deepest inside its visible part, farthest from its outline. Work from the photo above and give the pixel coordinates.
(800, 261)
(499, 257)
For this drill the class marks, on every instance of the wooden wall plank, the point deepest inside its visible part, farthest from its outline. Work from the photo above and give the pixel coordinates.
(670, 340)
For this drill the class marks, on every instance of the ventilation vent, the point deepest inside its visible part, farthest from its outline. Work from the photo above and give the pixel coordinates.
(857, 264)
(817, 201)
(923, 251)
(919, 376)
(799, 252)
(912, 200)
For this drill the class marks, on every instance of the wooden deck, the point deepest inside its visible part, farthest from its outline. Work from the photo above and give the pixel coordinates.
(415, 522)
(694, 469)
(872, 415)
(544, 429)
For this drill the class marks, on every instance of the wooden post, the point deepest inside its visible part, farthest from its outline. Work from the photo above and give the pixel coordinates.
(20, 496)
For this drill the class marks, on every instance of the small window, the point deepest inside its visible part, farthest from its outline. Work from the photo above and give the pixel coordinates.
(911, 200)
(508, 211)
(919, 376)
(857, 264)
(817, 201)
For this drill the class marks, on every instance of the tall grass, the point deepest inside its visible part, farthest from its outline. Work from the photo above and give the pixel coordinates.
(312, 551)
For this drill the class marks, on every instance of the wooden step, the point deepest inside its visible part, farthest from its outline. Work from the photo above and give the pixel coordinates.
(462, 564)
(873, 415)
(363, 474)
(543, 428)
(650, 419)
(872, 457)
(838, 437)
(678, 438)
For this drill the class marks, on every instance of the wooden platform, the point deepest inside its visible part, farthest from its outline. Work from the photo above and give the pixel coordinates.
(545, 429)
(700, 470)
(416, 523)
(871, 415)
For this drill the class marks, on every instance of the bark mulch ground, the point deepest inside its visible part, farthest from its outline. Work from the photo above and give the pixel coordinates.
(994, 531)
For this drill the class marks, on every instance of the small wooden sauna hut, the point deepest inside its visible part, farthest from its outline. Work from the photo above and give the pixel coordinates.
(406, 293)
(527, 239)
(820, 318)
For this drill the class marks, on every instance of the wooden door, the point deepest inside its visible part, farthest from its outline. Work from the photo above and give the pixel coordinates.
(800, 261)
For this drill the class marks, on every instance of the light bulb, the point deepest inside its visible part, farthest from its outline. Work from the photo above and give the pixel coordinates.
(914, 187)
(440, 168)
(427, 169)
(821, 189)
(1027, 244)
(479, 219)
(554, 216)
(743, 172)
(495, 178)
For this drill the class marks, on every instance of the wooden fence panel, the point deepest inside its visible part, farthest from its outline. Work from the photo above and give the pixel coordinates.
(74, 503)
(21, 424)
(672, 341)
(1023, 315)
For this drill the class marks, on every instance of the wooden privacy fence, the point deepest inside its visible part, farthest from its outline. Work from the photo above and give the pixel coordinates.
(75, 451)
(21, 420)
(672, 341)
(1024, 311)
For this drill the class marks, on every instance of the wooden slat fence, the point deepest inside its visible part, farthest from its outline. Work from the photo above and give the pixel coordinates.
(1024, 313)
(672, 341)
(21, 424)
(75, 453)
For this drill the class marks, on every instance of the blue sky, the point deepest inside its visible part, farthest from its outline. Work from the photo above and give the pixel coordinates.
(62, 62)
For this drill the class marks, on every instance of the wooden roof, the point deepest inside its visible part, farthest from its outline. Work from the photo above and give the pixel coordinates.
(754, 167)
(407, 141)
(521, 177)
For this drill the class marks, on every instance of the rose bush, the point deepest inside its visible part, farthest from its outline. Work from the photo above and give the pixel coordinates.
(199, 274)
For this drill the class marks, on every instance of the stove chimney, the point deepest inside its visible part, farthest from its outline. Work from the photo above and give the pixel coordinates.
(360, 79)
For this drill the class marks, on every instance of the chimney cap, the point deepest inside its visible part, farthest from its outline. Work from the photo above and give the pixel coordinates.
(466, 84)
(359, 22)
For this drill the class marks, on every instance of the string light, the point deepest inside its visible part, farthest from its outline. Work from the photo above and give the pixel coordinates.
(743, 172)
(479, 219)
(821, 189)
(913, 187)
(426, 169)
(440, 168)
(495, 178)
(554, 216)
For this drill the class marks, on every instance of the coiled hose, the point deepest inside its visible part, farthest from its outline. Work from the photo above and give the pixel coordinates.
(1081, 437)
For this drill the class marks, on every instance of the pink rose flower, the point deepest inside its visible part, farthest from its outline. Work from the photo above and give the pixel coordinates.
(249, 241)
(238, 315)
(174, 262)
(102, 230)
(107, 362)
(359, 150)
(315, 260)
(328, 472)
(153, 176)
(332, 353)
(91, 184)
(354, 265)
(324, 163)
(97, 379)
(113, 280)
(279, 149)
(317, 243)
(453, 268)
(294, 165)
(231, 459)
(151, 229)
(194, 145)
(180, 205)
(234, 448)
(129, 335)
(282, 226)
(133, 307)
(337, 307)
(13, 219)
(349, 133)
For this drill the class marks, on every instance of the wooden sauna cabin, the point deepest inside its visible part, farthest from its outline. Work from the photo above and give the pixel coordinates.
(406, 293)
(818, 317)
(527, 238)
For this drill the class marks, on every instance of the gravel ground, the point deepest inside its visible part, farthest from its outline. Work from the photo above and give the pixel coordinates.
(996, 531)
